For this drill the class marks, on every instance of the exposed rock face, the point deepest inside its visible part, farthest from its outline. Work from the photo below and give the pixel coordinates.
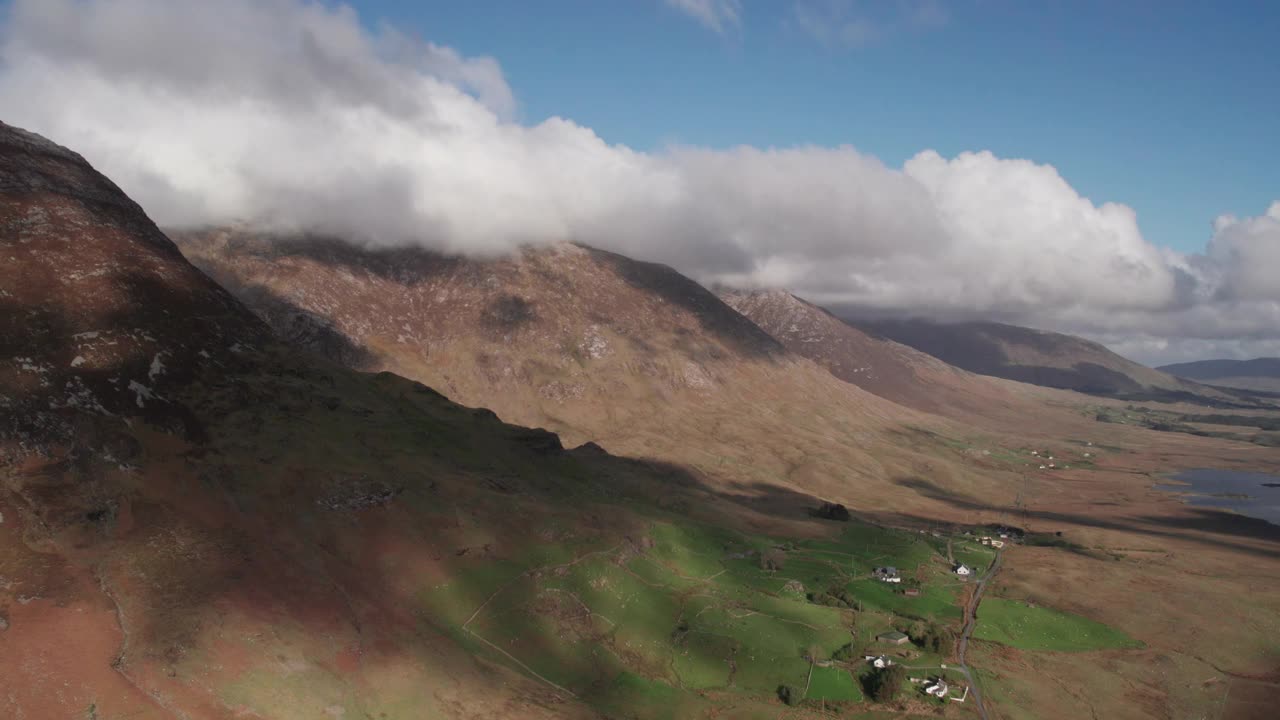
(99, 312)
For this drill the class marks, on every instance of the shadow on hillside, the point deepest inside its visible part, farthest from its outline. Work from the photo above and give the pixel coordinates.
(712, 313)
(328, 553)
(299, 327)
(1201, 526)
(1198, 525)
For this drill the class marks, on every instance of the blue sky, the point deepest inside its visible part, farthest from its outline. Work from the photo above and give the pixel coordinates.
(714, 136)
(1167, 107)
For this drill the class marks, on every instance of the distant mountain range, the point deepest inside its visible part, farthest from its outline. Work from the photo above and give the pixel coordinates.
(1259, 374)
(1046, 358)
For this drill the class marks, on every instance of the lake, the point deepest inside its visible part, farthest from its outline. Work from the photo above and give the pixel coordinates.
(1248, 493)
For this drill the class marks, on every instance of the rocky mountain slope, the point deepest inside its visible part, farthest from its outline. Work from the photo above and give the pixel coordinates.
(597, 347)
(891, 370)
(99, 311)
(1262, 374)
(1045, 358)
(179, 533)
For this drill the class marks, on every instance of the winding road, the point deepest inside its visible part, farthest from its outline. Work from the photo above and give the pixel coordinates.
(970, 621)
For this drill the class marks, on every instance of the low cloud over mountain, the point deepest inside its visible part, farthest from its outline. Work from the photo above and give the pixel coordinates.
(295, 116)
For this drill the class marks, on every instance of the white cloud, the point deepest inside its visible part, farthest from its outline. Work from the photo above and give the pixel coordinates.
(1249, 251)
(847, 24)
(717, 15)
(292, 115)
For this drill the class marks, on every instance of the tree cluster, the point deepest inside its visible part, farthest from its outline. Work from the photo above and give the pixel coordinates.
(883, 684)
(933, 637)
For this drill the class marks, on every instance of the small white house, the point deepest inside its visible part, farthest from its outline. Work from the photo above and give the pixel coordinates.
(879, 661)
(963, 570)
(937, 688)
(997, 543)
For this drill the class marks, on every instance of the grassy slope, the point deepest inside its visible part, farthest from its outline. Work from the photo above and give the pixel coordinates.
(1030, 627)
(682, 610)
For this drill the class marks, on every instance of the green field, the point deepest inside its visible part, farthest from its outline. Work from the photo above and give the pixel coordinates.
(833, 683)
(1016, 624)
(691, 611)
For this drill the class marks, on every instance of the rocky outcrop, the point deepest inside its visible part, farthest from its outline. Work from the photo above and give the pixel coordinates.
(100, 314)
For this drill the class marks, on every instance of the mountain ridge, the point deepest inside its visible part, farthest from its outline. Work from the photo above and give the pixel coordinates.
(1258, 374)
(1046, 358)
(887, 368)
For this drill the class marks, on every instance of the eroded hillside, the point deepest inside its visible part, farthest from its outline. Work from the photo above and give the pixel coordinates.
(598, 347)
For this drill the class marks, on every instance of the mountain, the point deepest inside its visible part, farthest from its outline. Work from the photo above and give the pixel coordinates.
(1045, 358)
(201, 519)
(594, 346)
(1259, 374)
(886, 368)
(98, 310)
(182, 534)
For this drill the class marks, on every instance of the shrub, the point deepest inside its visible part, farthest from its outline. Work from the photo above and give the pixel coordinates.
(883, 684)
(833, 511)
(787, 695)
(933, 637)
(844, 653)
(773, 559)
(835, 596)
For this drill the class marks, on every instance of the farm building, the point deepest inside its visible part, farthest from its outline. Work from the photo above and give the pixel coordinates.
(879, 661)
(888, 574)
(936, 688)
(963, 570)
(893, 637)
(911, 592)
